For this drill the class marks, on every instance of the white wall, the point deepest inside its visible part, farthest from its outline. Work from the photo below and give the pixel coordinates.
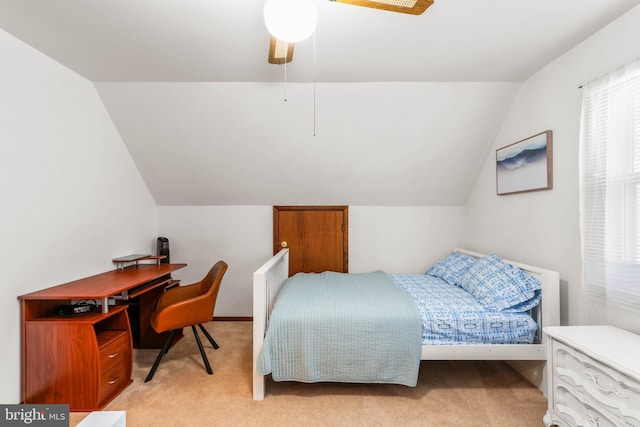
(402, 239)
(71, 196)
(394, 239)
(201, 235)
(542, 228)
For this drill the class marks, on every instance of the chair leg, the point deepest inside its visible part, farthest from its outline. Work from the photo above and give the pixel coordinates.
(209, 337)
(165, 349)
(204, 355)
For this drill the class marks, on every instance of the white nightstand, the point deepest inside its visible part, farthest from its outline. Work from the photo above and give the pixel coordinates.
(594, 376)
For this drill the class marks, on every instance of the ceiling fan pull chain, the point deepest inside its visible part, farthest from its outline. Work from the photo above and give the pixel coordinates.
(286, 49)
(314, 83)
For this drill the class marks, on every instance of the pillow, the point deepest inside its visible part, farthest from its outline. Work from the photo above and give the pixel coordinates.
(451, 268)
(527, 305)
(499, 286)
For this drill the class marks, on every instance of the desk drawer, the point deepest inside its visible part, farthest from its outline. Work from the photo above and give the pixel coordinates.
(115, 353)
(113, 380)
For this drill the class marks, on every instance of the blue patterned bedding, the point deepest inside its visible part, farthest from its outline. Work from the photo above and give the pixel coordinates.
(451, 315)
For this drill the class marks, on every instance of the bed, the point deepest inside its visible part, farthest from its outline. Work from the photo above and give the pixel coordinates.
(520, 338)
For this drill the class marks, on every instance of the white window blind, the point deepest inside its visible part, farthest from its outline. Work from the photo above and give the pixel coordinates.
(610, 186)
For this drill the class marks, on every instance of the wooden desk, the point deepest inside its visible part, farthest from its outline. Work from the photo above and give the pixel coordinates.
(86, 360)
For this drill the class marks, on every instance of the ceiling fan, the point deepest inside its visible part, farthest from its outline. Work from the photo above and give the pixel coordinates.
(281, 52)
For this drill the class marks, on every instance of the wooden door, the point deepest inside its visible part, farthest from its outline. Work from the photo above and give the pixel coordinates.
(317, 237)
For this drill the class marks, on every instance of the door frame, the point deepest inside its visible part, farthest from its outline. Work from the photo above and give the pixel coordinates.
(345, 225)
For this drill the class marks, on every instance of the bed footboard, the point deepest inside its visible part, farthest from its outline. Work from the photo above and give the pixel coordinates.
(267, 281)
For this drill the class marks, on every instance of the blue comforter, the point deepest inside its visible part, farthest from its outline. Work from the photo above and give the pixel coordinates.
(359, 328)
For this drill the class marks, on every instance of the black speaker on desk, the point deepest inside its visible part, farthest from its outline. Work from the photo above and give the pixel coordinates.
(163, 249)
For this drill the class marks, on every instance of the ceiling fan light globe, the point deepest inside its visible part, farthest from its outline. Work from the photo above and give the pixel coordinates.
(290, 20)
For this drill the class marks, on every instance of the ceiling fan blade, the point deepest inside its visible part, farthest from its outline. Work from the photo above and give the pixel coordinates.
(413, 7)
(280, 51)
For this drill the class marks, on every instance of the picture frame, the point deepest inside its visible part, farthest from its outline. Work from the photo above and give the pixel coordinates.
(526, 165)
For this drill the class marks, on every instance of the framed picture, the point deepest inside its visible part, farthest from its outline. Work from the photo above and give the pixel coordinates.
(525, 165)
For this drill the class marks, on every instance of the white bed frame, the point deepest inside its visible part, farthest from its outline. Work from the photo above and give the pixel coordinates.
(268, 279)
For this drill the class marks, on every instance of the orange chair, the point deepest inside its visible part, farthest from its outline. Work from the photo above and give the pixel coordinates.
(188, 305)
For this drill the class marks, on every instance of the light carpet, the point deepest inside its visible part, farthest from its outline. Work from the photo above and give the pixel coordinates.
(456, 393)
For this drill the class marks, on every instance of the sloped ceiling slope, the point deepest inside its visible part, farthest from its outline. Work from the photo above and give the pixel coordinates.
(374, 143)
(381, 109)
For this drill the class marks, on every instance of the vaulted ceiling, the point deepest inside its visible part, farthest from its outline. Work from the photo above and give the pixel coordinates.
(381, 108)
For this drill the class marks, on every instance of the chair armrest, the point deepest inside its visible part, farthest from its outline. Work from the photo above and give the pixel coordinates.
(178, 293)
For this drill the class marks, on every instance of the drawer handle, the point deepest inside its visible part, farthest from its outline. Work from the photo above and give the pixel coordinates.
(615, 391)
(112, 355)
(113, 381)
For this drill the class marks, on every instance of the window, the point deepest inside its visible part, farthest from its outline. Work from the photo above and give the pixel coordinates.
(610, 186)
